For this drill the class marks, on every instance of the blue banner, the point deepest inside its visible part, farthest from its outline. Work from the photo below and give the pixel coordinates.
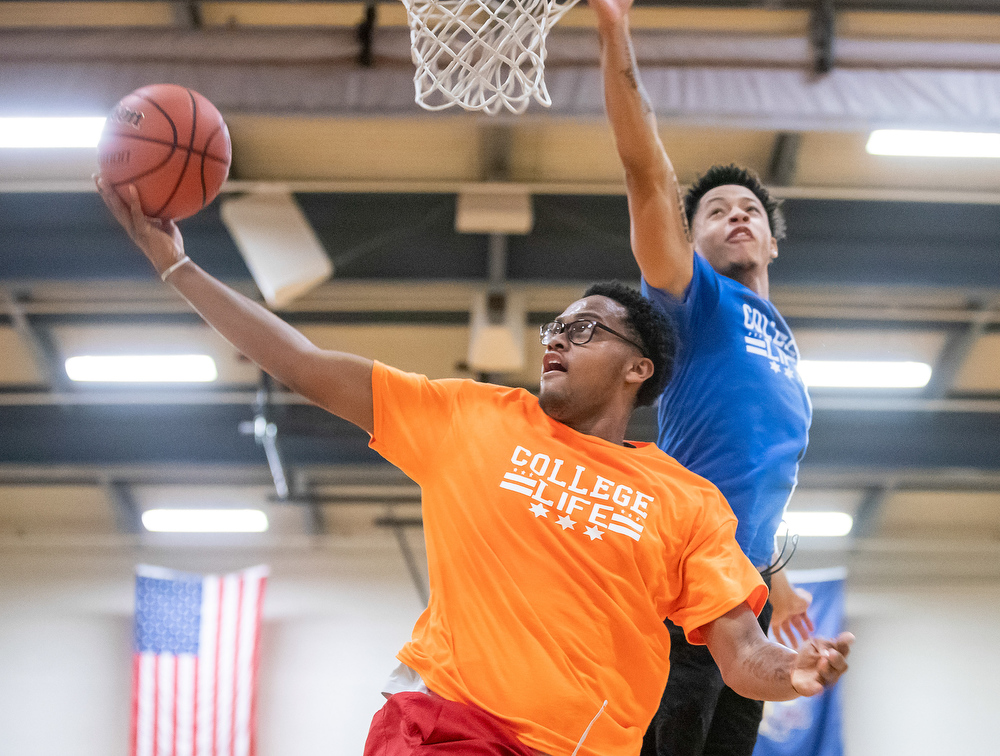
(809, 726)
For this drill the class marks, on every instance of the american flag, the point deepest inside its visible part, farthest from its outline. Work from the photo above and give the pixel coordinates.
(195, 662)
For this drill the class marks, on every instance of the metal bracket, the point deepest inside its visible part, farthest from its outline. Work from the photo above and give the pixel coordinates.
(265, 433)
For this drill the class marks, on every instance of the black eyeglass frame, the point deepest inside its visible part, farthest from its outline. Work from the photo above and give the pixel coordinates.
(555, 327)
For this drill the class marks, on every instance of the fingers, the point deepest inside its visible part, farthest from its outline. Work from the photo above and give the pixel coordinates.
(139, 219)
(803, 624)
(785, 635)
(806, 686)
(790, 630)
(821, 663)
(833, 659)
(113, 201)
(844, 642)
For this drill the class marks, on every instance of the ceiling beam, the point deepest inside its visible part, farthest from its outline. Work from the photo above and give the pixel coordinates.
(689, 75)
(195, 397)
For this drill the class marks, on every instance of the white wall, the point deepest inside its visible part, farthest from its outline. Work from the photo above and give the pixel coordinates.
(922, 679)
(334, 618)
(923, 676)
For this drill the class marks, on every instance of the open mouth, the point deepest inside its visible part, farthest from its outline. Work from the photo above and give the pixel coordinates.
(552, 363)
(739, 233)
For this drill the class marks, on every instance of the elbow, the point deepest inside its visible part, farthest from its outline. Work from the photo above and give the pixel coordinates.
(733, 680)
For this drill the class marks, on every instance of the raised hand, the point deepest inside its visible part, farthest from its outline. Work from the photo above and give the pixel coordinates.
(610, 12)
(820, 664)
(159, 240)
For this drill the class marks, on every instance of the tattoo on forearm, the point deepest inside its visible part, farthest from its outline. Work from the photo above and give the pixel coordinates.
(629, 73)
(769, 667)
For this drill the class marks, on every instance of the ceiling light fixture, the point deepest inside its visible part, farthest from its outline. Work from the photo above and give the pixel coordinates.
(34, 133)
(859, 374)
(955, 144)
(150, 368)
(204, 520)
(829, 524)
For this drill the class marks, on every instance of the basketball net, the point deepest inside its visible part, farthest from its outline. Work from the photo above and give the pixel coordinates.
(481, 54)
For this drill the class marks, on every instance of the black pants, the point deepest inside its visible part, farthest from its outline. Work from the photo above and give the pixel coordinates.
(699, 714)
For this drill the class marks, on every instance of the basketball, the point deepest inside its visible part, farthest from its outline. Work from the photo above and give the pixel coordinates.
(172, 144)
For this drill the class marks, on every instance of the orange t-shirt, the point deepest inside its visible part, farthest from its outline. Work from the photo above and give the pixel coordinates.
(553, 557)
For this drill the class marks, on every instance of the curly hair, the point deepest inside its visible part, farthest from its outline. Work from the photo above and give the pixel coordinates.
(725, 175)
(651, 328)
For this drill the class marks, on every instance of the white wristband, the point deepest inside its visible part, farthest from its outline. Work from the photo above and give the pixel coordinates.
(166, 274)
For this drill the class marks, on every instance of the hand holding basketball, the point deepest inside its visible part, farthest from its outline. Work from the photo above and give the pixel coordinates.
(159, 240)
(171, 144)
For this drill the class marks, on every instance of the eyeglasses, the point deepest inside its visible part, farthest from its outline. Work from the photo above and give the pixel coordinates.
(580, 332)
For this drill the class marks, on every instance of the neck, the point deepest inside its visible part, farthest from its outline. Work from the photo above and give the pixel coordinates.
(609, 424)
(753, 278)
(609, 430)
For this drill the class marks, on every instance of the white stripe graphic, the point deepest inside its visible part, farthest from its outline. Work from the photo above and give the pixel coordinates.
(755, 350)
(624, 531)
(626, 521)
(516, 488)
(522, 479)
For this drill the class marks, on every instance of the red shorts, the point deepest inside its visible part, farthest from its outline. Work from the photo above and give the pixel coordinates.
(417, 723)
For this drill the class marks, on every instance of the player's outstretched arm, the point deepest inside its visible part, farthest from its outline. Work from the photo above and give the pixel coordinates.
(659, 231)
(763, 670)
(336, 381)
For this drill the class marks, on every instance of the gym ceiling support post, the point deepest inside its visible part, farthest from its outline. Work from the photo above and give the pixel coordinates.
(784, 162)
(366, 35)
(955, 351)
(822, 23)
(39, 343)
(128, 518)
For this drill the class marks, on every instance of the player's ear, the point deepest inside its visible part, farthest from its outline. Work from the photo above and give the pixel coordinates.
(774, 249)
(639, 370)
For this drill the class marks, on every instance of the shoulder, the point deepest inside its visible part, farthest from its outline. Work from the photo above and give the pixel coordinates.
(675, 475)
(702, 291)
(388, 379)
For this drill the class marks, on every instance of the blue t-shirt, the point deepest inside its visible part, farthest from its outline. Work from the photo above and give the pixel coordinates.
(735, 411)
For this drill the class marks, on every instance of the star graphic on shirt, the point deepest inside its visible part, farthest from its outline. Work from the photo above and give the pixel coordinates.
(539, 510)
(566, 522)
(775, 367)
(789, 372)
(594, 533)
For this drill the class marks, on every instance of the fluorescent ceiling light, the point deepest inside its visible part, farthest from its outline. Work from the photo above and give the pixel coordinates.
(149, 368)
(847, 374)
(934, 144)
(19, 133)
(819, 523)
(204, 520)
